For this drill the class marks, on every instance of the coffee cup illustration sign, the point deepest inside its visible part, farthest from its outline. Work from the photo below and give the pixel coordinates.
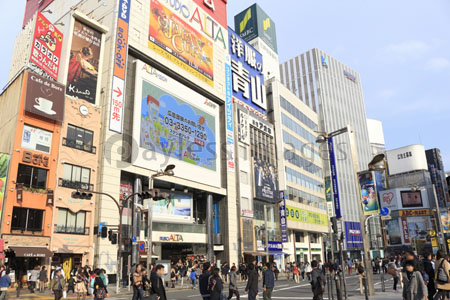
(44, 97)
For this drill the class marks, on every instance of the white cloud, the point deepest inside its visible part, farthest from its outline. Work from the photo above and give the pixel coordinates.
(437, 64)
(406, 50)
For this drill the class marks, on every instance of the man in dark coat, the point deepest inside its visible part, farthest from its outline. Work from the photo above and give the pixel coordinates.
(252, 283)
(204, 281)
(157, 283)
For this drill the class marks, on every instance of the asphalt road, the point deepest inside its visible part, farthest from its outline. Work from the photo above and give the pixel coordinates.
(284, 289)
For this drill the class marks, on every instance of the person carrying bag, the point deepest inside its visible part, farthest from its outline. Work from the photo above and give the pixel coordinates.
(442, 276)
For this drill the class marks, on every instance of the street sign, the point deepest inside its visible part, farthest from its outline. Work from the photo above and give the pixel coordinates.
(386, 218)
(142, 246)
(385, 211)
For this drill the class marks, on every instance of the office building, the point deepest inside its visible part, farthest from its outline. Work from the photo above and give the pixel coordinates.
(437, 172)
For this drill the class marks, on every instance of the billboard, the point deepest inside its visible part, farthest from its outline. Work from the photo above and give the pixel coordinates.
(406, 159)
(445, 221)
(254, 22)
(44, 97)
(305, 216)
(177, 208)
(120, 65)
(369, 197)
(46, 47)
(411, 199)
(388, 199)
(247, 73)
(175, 125)
(353, 236)
(174, 38)
(4, 166)
(393, 232)
(266, 181)
(84, 62)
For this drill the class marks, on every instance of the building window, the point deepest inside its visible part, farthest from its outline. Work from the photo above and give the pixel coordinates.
(300, 237)
(76, 177)
(314, 238)
(243, 177)
(79, 138)
(243, 152)
(32, 177)
(69, 222)
(27, 219)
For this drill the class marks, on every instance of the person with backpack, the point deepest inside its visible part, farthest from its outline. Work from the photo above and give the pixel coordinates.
(100, 290)
(413, 287)
(252, 283)
(317, 281)
(215, 285)
(204, 280)
(442, 275)
(268, 282)
(394, 271)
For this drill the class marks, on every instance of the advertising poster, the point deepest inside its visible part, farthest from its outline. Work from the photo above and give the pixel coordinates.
(177, 208)
(44, 97)
(266, 181)
(4, 165)
(84, 62)
(328, 193)
(175, 125)
(36, 139)
(353, 235)
(47, 45)
(445, 221)
(405, 229)
(369, 197)
(417, 227)
(304, 216)
(173, 38)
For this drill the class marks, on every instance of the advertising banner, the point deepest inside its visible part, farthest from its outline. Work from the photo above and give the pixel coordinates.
(405, 229)
(120, 65)
(177, 208)
(445, 221)
(84, 62)
(389, 199)
(247, 73)
(275, 246)
(4, 167)
(173, 38)
(417, 227)
(334, 180)
(243, 127)
(283, 217)
(353, 235)
(393, 232)
(411, 199)
(175, 125)
(266, 181)
(36, 139)
(47, 45)
(305, 216)
(369, 197)
(229, 116)
(44, 97)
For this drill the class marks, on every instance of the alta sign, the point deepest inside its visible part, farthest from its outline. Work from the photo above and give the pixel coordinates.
(172, 238)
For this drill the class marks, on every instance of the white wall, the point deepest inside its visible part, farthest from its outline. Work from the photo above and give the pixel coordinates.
(406, 159)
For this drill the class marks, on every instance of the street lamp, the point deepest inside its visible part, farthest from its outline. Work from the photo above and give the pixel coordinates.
(168, 171)
(328, 137)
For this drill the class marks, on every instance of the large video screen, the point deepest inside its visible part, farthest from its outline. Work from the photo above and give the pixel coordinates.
(411, 199)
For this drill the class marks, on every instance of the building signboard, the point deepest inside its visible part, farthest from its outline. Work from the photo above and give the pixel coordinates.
(247, 73)
(283, 218)
(46, 47)
(229, 116)
(414, 212)
(406, 159)
(36, 139)
(175, 125)
(334, 179)
(369, 197)
(4, 168)
(275, 246)
(305, 216)
(82, 75)
(266, 181)
(353, 235)
(44, 97)
(405, 229)
(178, 207)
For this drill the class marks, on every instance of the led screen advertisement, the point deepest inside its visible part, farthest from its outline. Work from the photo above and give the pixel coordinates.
(266, 181)
(178, 207)
(411, 199)
(175, 125)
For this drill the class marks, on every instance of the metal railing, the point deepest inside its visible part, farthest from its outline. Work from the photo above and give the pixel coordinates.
(71, 230)
(73, 144)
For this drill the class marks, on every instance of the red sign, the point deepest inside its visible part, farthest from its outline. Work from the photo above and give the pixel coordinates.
(32, 7)
(217, 9)
(405, 229)
(46, 48)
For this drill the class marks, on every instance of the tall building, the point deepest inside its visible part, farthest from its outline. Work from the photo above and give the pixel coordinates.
(333, 90)
(376, 136)
(437, 172)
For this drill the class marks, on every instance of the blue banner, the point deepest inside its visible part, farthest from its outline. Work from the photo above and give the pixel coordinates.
(353, 235)
(283, 218)
(275, 246)
(334, 181)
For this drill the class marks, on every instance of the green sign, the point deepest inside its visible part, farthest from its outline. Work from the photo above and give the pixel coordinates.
(254, 22)
(306, 216)
(328, 192)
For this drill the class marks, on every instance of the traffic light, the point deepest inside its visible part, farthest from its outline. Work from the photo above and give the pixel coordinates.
(110, 233)
(104, 232)
(114, 238)
(334, 224)
(82, 195)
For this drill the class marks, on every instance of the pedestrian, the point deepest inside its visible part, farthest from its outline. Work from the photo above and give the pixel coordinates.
(350, 267)
(34, 276)
(157, 283)
(91, 279)
(252, 283)
(413, 287)
(302, 270)
(268, 282)
(287, 270)
(138, 291)
(173, 277)
(442, 275)
(295, 273)
(71, 284)
(193, 277)
(5, 282)
(428, 268)
(58, 284)
(233, 288)
(104, 277)
(80, 284)
(43, 279)
(100, 290)
(224, 271)
(145, 283)
(308, 271)
(204, 280)
(215, 285)
(394, 271)
(317, 281)
(276, 271)
(362, 276)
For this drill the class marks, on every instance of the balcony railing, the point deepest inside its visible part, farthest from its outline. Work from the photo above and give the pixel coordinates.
(75, 184)
(75, 145)
(24, 230)
(71, 230)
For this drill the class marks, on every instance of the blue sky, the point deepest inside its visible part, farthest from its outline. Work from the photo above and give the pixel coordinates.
(400, 48)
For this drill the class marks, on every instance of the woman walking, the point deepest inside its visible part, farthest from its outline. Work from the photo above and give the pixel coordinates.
(80, 284)
(100, 290)
(413, 287)
(442, 275)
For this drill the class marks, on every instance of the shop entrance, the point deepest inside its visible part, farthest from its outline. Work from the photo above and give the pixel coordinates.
(67, 261)
(175, 252)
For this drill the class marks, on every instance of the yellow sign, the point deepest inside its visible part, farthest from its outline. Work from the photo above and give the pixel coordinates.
(414, 212)
(248, 16)
(432, 232)
(434, 242)
(305, 216)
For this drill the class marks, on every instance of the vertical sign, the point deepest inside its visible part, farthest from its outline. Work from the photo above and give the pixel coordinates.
(229, 115)
(4, 165)
(405, 229)
(369, 197)
(283, 219)
(47, 45)
(334, 181)
(120, 65)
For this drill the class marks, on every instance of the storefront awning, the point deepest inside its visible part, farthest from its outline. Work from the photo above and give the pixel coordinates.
(31, 252)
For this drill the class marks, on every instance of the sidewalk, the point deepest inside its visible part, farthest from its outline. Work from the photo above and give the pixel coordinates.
(380, 296)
